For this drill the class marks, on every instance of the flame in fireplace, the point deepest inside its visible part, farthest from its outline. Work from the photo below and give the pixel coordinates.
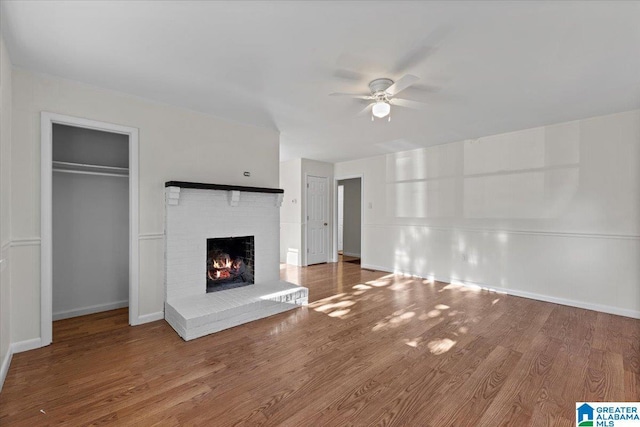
(222, 261)
(222, 266)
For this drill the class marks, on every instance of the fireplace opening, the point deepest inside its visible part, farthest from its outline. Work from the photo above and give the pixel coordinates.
(230, 263)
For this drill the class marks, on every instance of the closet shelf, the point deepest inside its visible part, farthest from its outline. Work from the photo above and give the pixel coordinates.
(87, 169)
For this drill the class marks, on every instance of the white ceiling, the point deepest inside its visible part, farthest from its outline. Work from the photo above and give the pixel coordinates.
(485, 67)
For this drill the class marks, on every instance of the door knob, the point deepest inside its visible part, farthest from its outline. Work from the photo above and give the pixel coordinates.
(325, 224)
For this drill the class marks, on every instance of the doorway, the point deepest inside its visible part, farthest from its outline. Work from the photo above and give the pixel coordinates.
(349, 204)
(90, 221)
(62, 163)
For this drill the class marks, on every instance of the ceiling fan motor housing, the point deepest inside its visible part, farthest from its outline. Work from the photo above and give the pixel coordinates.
(378, 86)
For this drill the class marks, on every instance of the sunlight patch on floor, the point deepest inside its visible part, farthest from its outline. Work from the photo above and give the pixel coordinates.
(429, 279)
(415, 342)
(398, 286)
(469, 287)
(325, 300)
(465, 287)
(324, 308)
(379, 283)
(398, 318)
(372, 291)
(339, 313)
(440, 346)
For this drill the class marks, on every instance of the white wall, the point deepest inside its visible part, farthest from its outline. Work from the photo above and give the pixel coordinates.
(352, 216)
(175, 144)
(290, 213)
(5, 210)
(550, 213)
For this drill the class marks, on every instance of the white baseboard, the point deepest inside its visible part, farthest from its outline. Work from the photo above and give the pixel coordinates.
(26, 345)
(89, 310)
(353, 254)
(546, 298)
(376, 267)
(635, 314)
(293, 257)
(151, 317)
(4, 368)
(579, 304)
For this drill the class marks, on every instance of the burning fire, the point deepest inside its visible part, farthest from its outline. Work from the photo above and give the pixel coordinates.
(223, 267)
(221, 274)
(222, 262)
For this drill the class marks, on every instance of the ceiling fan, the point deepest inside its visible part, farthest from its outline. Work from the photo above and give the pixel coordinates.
(383, 96)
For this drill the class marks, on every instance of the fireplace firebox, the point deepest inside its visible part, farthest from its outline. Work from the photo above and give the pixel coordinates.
(230, 262)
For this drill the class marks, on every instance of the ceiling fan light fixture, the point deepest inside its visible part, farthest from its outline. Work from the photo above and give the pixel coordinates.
(381, 109)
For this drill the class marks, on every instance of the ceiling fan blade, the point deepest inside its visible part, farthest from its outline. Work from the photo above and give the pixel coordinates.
(348, 74)
(351, 95)
(408, 103)
(365, 110)
(421, 50)
(404, 82)
(413, 58)
(357, 63)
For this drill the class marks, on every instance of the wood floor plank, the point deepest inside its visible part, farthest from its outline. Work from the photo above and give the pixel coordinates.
(482, 387)
(371, 348)
(605, 377)
(515, 402)
(562, 387)
(631, 386)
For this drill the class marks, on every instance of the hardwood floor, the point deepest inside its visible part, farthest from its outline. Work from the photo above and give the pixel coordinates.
(370, 348)
(347, 258)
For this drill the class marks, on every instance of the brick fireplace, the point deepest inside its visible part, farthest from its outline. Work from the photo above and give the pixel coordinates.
(222, 257)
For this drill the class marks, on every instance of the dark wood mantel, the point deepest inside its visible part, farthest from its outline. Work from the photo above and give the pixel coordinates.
(201, 186)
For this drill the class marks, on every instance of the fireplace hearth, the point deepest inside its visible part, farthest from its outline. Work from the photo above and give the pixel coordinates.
(230, 263)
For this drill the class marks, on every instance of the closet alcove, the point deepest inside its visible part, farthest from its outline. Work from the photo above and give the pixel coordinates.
(90, 221)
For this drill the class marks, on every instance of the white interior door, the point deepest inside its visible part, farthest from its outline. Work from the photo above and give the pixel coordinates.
(340, 216)
(317, 220)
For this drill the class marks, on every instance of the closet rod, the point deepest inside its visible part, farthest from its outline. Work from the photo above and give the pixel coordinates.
(91, 173)
(89, 166)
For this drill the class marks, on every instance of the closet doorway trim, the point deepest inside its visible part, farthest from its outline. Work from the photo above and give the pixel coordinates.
(47, 120)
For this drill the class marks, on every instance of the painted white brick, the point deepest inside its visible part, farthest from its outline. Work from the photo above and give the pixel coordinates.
(192, 217)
